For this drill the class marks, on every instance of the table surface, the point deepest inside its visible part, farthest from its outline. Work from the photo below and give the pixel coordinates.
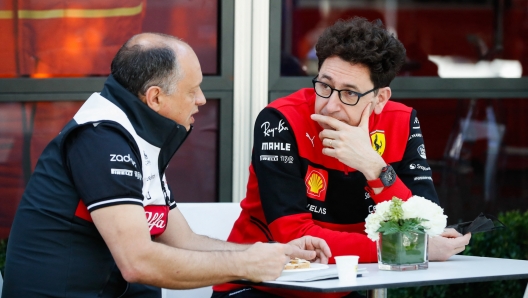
(458, 269)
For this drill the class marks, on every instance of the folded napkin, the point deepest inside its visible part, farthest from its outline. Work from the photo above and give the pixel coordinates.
(483, 223)
(316, 275)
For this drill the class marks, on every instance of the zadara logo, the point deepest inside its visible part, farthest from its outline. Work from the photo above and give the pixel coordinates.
(316, 181)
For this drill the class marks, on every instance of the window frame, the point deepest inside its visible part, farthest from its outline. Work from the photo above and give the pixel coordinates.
(214, 86)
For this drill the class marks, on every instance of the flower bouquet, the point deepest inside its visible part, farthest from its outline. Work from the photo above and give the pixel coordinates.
(401, 231)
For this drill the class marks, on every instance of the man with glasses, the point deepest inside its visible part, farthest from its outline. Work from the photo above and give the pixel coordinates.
(324, 156)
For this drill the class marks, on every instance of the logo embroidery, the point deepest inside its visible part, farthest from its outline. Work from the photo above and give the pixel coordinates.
(415, 135)
(269, 157)
(287, 159)
(377, 138)
(421, 151)
(270, 132)
(311, 139)
(419, 166)
(121, 158)
(316, 181)
(156, 218)
(277, 146)
(416, 124)
(123, 172)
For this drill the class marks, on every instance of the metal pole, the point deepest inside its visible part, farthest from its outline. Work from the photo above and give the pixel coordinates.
(377, 293)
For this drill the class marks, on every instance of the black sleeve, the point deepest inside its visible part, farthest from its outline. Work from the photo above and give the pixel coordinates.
(277, 166)
(414, 170)
(104, 166)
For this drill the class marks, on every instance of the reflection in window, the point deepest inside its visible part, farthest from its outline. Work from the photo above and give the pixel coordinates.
(481, 39)
(478, 150)
(193, 171)
(27, 127)
(80, 37)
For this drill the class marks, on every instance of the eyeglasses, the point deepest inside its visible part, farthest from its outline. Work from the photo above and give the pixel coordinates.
(347, 97)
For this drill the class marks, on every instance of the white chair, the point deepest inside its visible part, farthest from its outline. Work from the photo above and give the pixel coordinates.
(211, 219)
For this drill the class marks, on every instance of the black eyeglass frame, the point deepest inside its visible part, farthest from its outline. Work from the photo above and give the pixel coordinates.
(359, 95)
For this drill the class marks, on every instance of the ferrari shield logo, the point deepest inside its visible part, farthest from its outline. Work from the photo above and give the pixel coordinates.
(378, 141)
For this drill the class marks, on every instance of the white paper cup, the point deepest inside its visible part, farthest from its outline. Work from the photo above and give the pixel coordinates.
(347, 268)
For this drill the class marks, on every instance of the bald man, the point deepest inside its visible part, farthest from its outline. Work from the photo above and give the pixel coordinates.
(98, 219)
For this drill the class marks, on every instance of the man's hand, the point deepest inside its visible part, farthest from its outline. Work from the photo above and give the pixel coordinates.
(265, 261)
(311, 248)
(447, 244)
(351, 145)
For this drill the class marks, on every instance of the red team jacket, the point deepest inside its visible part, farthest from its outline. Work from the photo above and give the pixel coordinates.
(296, 190)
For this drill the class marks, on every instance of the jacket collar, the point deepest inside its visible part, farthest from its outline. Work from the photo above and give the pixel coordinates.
(149, 125)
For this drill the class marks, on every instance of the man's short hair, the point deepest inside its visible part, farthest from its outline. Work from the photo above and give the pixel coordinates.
(359, 41)
(138, 67)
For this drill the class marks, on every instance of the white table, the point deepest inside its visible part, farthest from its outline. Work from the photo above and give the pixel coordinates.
(458, 269)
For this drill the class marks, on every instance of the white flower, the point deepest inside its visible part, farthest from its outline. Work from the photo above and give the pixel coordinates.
(372, 224)
(382, 209)
(373, 220)
(433, 219)
(419, 207)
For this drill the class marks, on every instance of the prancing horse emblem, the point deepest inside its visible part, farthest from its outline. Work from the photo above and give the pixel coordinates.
(377, 138)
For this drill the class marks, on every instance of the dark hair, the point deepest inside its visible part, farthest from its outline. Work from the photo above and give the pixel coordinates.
(138, 67)
(359, 41)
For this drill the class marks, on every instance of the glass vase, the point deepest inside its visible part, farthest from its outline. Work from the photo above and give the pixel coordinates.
(402, 251)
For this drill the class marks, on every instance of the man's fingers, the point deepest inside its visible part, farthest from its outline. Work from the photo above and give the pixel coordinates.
(330, 121)
(323, 247)
(451, 233)
(296, 252)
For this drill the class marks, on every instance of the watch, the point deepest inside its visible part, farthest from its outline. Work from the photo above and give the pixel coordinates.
(385, 179)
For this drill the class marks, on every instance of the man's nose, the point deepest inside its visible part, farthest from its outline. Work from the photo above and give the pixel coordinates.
(200, 100)
(334, 103)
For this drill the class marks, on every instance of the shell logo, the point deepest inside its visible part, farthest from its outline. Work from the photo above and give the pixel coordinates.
(316, 183)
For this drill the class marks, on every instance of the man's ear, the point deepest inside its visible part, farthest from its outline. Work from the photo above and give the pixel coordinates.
(152, 98)
(383, 97)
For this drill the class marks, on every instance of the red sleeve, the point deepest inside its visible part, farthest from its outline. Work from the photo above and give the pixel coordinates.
(398, 189)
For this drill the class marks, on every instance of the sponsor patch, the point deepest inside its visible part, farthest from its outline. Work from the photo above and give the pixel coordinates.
(378, 141)
(316, 209)
(147, 161)
(423, 178)
(419, 167)
(270, 131)
(316, 181)
(415, 135)
(276, 146)
(156, 218)
(311, 139)
(286, 159)
(421, 151)
(122, 158)
(269, 157)
(416, 124)
(122, 172)
(150, 177)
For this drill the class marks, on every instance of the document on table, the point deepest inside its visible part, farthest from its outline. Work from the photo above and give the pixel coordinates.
(316, 275)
